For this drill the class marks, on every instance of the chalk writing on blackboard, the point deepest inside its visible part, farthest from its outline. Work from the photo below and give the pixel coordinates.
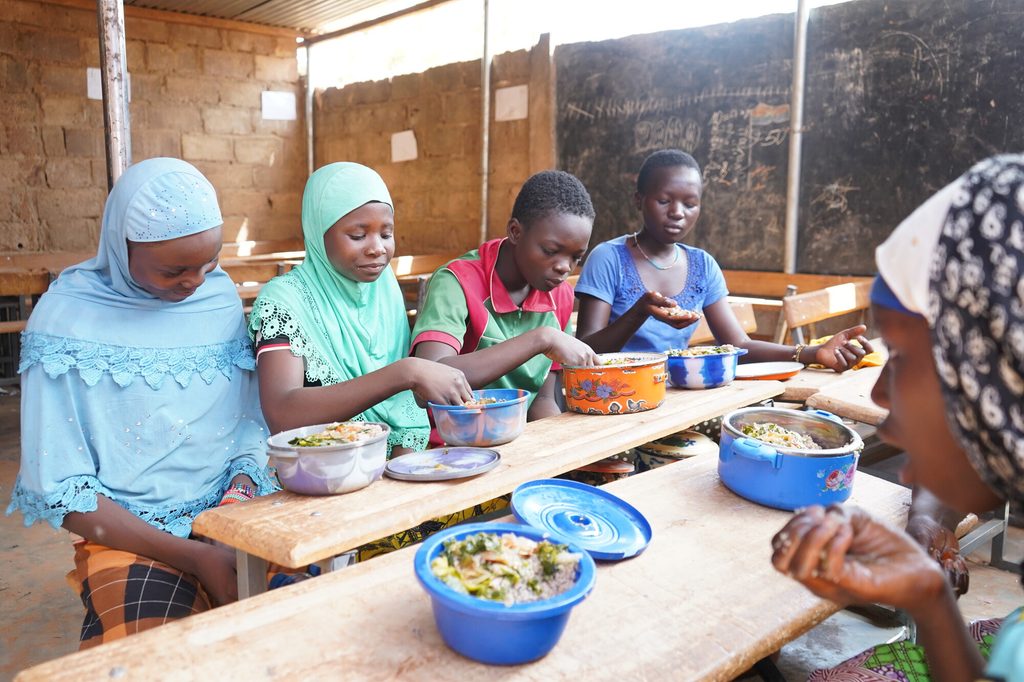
(660, 134)
(628, 107)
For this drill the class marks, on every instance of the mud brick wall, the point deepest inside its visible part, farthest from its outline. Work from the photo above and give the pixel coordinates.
(437, 195)
(195, 95)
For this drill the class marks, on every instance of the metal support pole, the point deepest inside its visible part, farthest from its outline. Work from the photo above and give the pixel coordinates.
(796, 132)
(485, 130)
(114, 75)
(309, 108)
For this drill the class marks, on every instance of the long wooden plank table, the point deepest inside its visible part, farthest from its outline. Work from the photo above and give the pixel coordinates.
(701, 603)
(851, 397)
(296, 530)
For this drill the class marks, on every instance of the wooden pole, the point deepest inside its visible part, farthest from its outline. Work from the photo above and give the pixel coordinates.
(114, 76)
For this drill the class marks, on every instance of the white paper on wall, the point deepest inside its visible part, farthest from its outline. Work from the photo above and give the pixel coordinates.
(279, 105)
(512, 104)
(403, 146)
(94, 84)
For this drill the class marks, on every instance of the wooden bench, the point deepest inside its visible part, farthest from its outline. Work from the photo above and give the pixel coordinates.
(246, 249)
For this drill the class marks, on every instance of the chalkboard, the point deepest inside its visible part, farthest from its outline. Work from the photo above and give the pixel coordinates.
(900, 99)
(720, 93)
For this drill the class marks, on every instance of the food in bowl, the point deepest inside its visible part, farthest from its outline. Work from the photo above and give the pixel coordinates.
(507, 568)
(773, 434)
(480, 402)
(698, 351)
(494, 416)
(621, 359)
(491, 631)
(338, 434)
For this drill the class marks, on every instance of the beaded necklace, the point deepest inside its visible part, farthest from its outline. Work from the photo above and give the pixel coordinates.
(647, 258)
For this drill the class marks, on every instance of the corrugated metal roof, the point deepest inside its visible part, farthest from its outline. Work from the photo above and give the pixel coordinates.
(304, 16)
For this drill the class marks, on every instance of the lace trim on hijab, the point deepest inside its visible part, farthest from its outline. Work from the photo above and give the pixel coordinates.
(272, 320)
(59, 354)
(78, 494)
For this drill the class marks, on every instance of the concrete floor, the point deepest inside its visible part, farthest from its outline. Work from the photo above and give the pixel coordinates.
(41, 614)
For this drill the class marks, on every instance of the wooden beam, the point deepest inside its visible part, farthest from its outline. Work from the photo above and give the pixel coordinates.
(133, 12)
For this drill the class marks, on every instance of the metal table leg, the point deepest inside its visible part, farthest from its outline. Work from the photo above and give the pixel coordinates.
(252, 575)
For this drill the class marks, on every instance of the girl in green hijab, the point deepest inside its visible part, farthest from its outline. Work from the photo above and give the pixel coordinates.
(339, 321)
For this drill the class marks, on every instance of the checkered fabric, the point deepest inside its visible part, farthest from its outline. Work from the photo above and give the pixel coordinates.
(125, 593)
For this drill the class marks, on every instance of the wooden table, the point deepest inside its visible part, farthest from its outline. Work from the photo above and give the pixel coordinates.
(701, 603)
(295, 530)
(851, 397)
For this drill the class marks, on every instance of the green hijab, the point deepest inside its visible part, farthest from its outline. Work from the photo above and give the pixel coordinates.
(342, 328)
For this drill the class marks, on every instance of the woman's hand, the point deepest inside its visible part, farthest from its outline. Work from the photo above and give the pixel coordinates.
(840, 353)
(436, 382)
(568, 350)
(214, 567)
(845, 555)
(666, 310)
(942, 546)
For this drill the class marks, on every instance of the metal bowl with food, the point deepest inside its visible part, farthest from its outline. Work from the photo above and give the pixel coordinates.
(329, 459)
(786, 458)
(494, 416)
(703, 366)
(621, 383)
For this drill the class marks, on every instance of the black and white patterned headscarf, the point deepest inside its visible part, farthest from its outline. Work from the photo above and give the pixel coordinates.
(959, 261)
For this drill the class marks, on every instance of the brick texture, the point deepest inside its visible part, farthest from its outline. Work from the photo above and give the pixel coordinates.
(437, 195)
(195, 95)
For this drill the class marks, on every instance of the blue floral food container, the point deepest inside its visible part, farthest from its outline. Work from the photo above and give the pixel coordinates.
(704, 371)
(784, 477)
(489, 631)
(485, 425)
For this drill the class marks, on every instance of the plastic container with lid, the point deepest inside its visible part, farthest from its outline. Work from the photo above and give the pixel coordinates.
(587, 520)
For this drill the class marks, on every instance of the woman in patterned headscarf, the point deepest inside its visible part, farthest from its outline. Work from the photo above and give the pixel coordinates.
(140, 406)
(950, 281)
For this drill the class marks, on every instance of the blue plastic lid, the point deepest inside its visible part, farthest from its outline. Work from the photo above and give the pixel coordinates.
(601, 523)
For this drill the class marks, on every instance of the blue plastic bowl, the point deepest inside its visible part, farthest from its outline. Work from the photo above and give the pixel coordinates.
(486, 425)
(704, 371)
(488, 631)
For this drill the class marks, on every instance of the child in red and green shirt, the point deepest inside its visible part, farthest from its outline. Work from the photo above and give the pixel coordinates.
(500, 313)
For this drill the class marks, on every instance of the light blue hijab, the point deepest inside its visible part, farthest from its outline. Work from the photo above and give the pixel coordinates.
(164, 450)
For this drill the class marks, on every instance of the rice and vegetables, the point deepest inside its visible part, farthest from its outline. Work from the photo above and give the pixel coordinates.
(339, 434)
(773, 434)
(698, 351)
(508, 568)
(623, 360)
(480, 402)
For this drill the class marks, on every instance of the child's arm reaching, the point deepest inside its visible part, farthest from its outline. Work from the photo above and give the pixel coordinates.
(594, 330)
(490, 364)
(838, 354)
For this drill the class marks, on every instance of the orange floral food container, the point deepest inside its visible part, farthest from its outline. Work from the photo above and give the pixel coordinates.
(623, 383)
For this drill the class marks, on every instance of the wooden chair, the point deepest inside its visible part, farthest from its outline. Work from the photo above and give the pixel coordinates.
(744, 312)
(807, 309)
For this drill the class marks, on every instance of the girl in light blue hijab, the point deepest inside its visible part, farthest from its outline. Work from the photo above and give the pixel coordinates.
(140, 406)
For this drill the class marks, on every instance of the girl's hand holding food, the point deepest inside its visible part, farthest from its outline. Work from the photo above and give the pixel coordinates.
(665, 309)
(844, 555)
(436, 382)
(568, 350)
(840, 353)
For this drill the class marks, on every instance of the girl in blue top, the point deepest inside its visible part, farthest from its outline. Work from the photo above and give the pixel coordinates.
(140, 407)
(620, 304)
(949, 301)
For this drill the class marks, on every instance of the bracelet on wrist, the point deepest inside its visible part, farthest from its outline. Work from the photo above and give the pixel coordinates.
(796, 353)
